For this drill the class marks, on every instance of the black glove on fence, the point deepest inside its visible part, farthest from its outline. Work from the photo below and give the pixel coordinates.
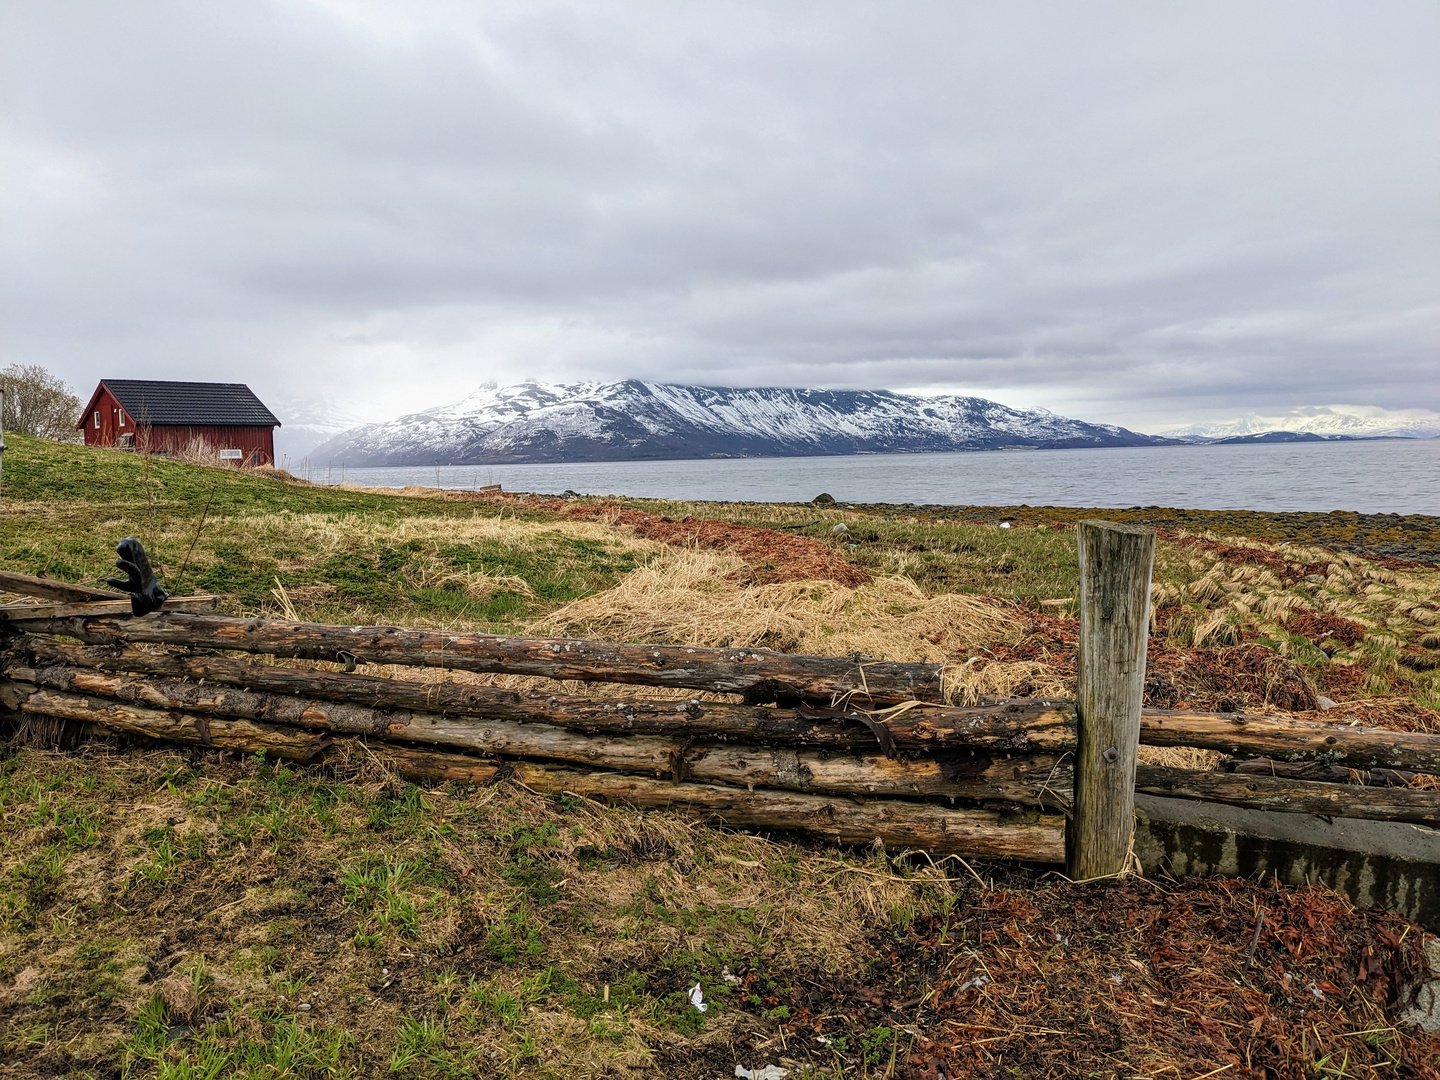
(146, 594)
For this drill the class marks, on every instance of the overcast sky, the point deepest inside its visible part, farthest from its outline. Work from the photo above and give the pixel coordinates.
(1142, 213)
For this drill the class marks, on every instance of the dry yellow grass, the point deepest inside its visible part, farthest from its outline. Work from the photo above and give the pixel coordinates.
(984, 677)
(1406, 602)
(694, 598)
(697, 598)
(1179, 757)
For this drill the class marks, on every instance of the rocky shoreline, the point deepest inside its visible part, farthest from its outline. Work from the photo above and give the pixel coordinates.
(1406, 537)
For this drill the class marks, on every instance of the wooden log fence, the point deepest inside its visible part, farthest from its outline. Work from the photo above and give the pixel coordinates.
(544, 729)
(1020, 726)
(848, 749)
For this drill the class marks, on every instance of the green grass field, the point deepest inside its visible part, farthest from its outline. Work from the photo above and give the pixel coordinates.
(179, 914)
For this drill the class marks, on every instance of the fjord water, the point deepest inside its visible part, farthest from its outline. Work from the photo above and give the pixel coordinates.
(1382, 476)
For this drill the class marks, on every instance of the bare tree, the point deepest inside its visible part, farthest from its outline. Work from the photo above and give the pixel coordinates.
(37, 403)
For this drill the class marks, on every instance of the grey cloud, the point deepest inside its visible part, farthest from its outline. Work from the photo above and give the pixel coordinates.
(1137, 210)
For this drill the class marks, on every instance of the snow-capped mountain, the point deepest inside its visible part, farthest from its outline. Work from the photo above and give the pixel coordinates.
(636, 420)
(1357, 421)
(306, 421)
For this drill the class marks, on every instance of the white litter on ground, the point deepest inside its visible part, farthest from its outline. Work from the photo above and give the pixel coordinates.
(769, 1072)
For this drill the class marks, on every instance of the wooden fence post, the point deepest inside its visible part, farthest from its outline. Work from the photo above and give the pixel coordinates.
(2, 430)
(1115, 565)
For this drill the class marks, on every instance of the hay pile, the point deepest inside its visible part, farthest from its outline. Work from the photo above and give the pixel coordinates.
(701, 598)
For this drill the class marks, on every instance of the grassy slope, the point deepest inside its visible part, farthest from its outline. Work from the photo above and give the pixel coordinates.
(170, 914)
(341, 555)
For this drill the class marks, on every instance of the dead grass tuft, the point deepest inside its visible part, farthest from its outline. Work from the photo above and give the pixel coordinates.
(182, 1000)
(1179, 757)
(199, 451)
(428, 571)
(986, 677)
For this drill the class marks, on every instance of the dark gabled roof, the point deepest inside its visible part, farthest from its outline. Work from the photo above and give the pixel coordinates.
(152, 401)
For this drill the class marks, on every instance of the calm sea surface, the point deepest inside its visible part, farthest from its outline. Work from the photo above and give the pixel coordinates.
(1399, 476)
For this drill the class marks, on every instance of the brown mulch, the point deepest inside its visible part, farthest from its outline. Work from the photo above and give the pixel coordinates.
(1237, 677)
(1319, 626)
(1244, 677)
(1342, 681)
(1127, 979)
(1224, 678)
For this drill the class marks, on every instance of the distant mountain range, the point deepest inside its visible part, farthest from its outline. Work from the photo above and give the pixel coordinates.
(1353, 421)
(1283, 437)
(634, 420)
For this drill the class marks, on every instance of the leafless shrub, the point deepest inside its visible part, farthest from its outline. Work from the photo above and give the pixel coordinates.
(38, 403)
(199, 451)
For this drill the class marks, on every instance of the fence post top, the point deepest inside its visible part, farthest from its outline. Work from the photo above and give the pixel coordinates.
(1116, 526)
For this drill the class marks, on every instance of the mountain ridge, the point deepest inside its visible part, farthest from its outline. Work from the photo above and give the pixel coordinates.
(1329, 421)
(638, 420)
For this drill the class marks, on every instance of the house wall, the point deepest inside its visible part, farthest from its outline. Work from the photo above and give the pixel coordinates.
(109, 414)
(256, 444)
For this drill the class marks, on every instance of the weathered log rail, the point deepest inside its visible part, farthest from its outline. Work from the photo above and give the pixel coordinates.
(850, 749)
(48, 588)
(29, 613)
(1016, 726)
(758, 675)
(982, 833)
(1021, 780)
(830, 756)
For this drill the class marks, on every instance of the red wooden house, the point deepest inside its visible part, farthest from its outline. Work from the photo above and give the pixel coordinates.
(167, 417)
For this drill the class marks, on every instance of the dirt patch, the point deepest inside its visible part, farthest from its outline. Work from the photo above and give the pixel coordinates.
(774, 556)
(1125, 980)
